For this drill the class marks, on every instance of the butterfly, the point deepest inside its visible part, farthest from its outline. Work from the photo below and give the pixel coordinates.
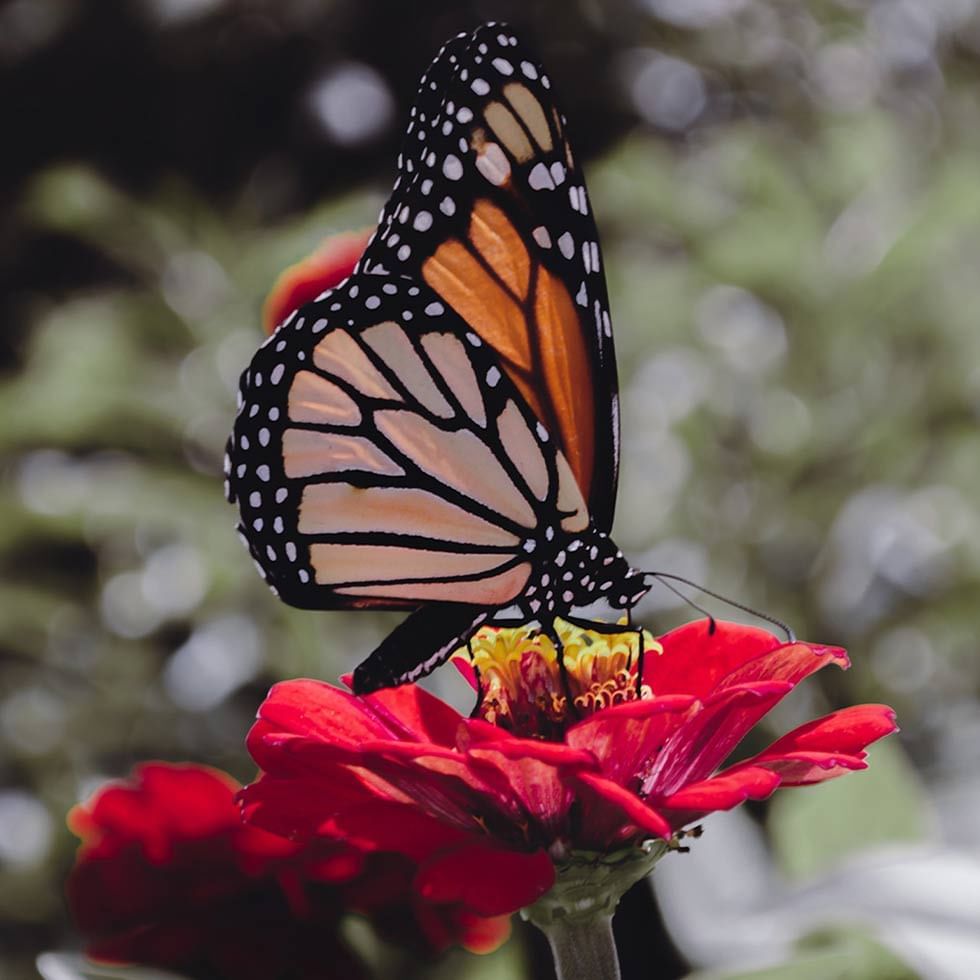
(440, 432)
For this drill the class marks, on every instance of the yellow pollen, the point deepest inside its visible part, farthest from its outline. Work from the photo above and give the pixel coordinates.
(522, 686)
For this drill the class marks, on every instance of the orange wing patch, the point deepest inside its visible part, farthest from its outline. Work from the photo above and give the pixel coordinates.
(501, 247)
(565, 361)
(479, 298)
(525, 312)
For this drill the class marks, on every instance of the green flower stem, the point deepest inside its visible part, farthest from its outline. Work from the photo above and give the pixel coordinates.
(584, 950)
(576, 914)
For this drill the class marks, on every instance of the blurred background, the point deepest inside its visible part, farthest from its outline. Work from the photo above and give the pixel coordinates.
(789, 204)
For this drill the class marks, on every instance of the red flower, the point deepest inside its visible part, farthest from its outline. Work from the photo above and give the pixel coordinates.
(168, 875)
(487, 805)
(301, 283)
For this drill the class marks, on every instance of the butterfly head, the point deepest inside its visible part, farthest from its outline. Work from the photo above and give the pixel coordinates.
(582, 569)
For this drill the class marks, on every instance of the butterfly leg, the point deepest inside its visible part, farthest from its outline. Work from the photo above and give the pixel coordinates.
(551, 632)
(640, 652)
(613, 629)
(418, 645)
(480, 692)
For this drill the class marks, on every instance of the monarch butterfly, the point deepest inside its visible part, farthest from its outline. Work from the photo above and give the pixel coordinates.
(441, 431)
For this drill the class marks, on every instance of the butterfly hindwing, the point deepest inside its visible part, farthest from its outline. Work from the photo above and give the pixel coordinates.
(381, 457)
(490, 210)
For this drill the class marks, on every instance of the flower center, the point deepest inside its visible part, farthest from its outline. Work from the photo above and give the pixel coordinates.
(522, 686)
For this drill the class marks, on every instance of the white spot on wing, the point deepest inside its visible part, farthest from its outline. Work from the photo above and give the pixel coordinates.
(493, 164)
(540, 179)
(452, 167)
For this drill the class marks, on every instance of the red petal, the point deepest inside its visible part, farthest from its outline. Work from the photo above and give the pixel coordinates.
(446, 784)
(400, 827)
(625, 737)
(526, 775)
(628, 804)
(412, 713)
(300, 807)
(318, 710)
(485, 879)
(482, 934)
(476, 730)
(330, 714)
(463, 665)
(804, 768)
(828, 746)
(701, 744)
(848, 730)
(549, 753)
(287, 755)
(158, 804)
(697, 661)
(790, 663)
(329, 265)
(723, 792)
(533, 789)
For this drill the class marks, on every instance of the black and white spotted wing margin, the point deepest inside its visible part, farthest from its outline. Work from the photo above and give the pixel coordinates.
(486, 159)
(381, 458)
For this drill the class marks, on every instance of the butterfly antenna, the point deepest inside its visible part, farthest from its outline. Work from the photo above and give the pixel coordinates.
(663, 576)
(662, 579)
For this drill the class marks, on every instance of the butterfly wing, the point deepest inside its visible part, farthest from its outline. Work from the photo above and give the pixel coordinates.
(382, 458)
(490, 210)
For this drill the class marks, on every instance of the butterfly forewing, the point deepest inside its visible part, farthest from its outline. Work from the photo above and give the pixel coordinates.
(490, 210)
(382, 457)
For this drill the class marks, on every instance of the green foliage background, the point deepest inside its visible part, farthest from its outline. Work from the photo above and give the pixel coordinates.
(794, 283)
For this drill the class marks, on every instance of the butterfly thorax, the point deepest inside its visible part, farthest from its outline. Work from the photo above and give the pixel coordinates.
(576, 570)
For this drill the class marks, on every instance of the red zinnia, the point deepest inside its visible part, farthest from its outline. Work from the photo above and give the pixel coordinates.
(167, 875)
(488, 806)
(325, 268)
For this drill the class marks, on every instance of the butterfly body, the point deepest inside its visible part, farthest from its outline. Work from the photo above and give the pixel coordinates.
(440, 432)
